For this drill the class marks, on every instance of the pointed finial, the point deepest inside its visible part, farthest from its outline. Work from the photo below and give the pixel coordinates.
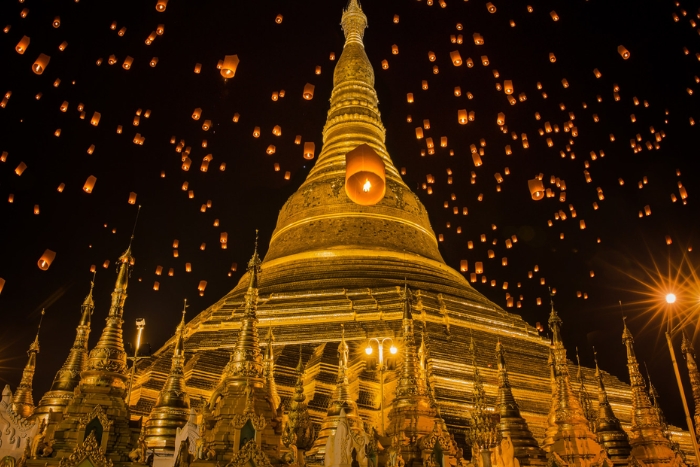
(595, 358)
(300, 365)
(687, 346)
(34, 347)
(353, 22)
(126, 257)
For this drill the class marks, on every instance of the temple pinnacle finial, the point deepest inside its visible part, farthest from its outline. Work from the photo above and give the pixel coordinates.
(23, 402)
(254, 265)
(353, 22)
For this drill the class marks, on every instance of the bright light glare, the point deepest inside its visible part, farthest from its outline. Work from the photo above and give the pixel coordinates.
(671, 298)
(367, 186)
(368, 350)
(393, 350)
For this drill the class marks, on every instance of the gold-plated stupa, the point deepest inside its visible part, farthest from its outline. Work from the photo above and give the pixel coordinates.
(649, 444)
(172, 409)
(23, 400)
(610, 433)
(568, 435)
(333, 262)
(68, 377)
(98, 405)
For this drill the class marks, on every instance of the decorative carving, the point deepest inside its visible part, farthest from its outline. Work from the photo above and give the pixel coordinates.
(249, 453)
(88, 450)
(98, 413)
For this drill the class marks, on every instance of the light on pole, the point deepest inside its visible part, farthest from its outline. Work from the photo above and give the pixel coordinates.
(140, 324)
(382, 366)
(670, 299)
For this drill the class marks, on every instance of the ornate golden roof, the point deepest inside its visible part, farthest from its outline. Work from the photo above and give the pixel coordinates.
(694, 374)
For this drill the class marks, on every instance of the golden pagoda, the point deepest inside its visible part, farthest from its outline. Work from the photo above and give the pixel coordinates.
(23, 401)
(98, 406)
(649, 444)
(511, 424)
(568, 436)
(333, 277)
(172, 409)
(608, 429)
(240, 411)
(68, 377)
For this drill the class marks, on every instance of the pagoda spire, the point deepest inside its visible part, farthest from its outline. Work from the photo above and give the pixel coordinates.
(246, 359)
(511, 424)
(341, 401)
(649, 445)
(269, 370)
(694, 374)
(610, 433)
(68, 377)
(298, 433)
(240, 409)
(583, 397)
(654, 399)
(171, 410)
(109, 355)
(568, 434)
(483, 434)
(23, 401)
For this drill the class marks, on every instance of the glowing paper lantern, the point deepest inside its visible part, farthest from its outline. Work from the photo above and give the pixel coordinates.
(456, 58)
(132, 198)
(228, 68)
(46, 260)
(365, 179)
(89, 184)
(161, 5)
(308, 91)
(21, 168)
(309, 150)
(536, 188)
(40, 64)
(22, 45)
(624, 53)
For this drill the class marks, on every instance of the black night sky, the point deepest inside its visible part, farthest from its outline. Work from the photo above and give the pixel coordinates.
(632, 263)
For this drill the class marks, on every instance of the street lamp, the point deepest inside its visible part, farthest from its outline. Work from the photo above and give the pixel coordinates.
(671, 299)
(382, 366)
(140, 324)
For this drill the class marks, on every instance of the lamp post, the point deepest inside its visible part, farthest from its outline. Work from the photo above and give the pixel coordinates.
(382, 366)
(671, 299)
(140, 324)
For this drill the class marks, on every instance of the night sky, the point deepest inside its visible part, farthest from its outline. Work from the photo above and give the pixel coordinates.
(632, 262)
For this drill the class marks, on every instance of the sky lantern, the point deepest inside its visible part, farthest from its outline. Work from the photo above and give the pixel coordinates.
(161, 5)
(462, 117)
(624, 53)
(22, 45)
(40, 64)
(536, 188)
(202, 285)
(89, 184)
(308, 91)
(197, 113)
(132, 198)
(46, 260)
(2, 284)
(456, 58)
(365, 179)
(278, 19)
(128, 61)
(309, 150)
(20, 168)
(228, 68)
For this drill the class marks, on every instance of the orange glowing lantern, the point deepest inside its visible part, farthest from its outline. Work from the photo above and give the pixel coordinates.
(228, 68)
(46, 260)
(40, 64)
(365, 178)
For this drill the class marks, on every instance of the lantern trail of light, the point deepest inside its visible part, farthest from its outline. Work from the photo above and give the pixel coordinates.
(367, 186)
